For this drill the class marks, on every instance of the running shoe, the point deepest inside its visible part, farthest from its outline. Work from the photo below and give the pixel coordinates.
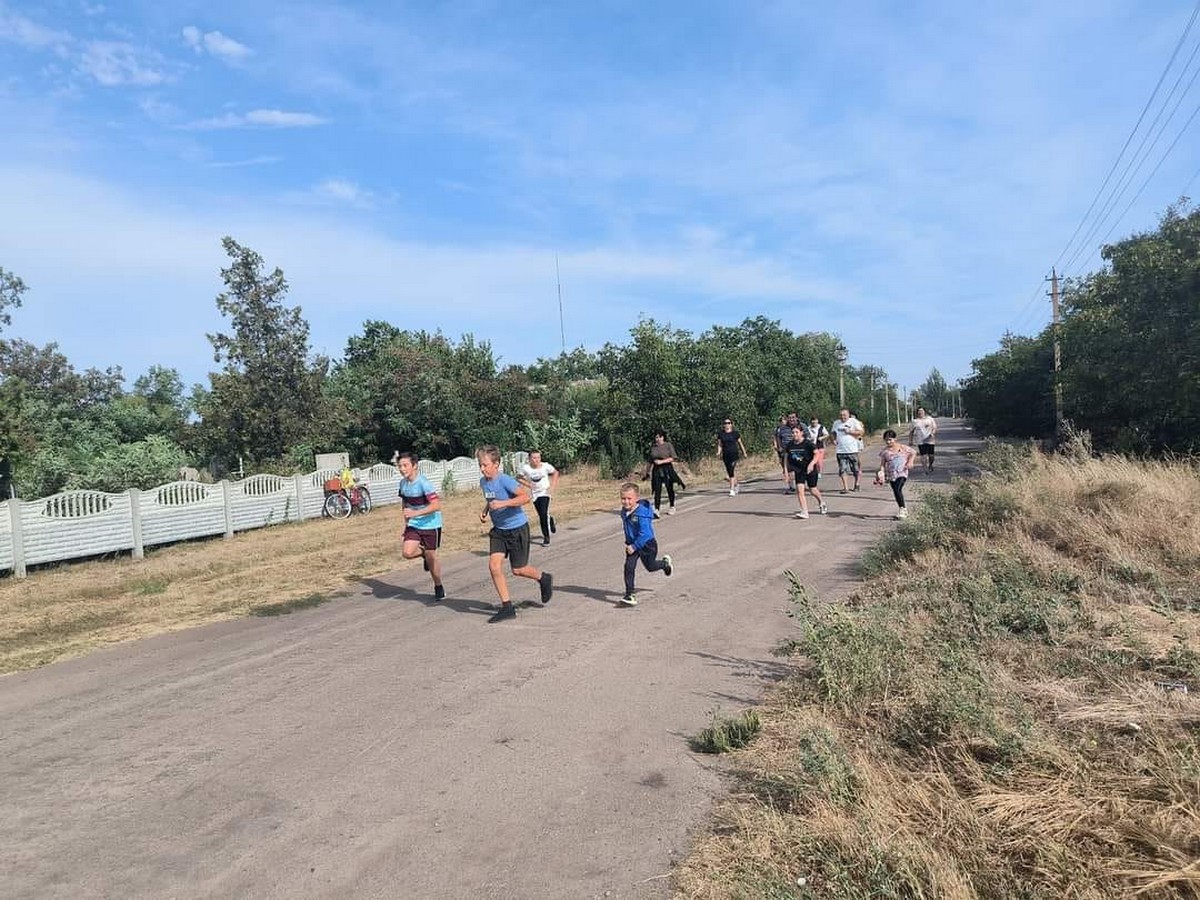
(439, 592)
(553, 525)
(903, 514)
(803, 514)
(628, 600)
(824, 509)
(671, 510)
(656, 514)
(424, 561)
(545, 542)
(667, 567)
(732, 492)
(507, 611)
(546, 583)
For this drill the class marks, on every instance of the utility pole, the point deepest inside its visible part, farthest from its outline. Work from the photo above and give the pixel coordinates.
(842, 356)
(562, 329)
(872, 391)
(1058, 405)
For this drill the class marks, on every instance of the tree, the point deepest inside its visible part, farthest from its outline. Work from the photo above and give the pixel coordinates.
(11, 290)
(934, 394)
(1010, 392)
(268, 396)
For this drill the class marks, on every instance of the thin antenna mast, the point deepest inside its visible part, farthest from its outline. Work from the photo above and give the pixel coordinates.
(562, 329)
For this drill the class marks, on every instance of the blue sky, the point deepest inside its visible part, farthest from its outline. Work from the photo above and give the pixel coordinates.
(900, 174)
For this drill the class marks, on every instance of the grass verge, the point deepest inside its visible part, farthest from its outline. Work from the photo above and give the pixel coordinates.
(1008, 708)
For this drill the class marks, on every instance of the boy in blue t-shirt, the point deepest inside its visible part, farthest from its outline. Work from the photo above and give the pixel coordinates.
(637, 516)
(422, 509)
(503, 498)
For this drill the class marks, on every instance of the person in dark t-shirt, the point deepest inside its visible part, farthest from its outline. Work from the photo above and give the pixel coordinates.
(730, 448)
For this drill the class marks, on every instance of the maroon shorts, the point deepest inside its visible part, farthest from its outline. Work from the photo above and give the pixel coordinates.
(428, 538)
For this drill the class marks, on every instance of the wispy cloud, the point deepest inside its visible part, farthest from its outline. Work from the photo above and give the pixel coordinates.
(215, 43)
(260, 118)
(242, 163)
(24, 32)
(115, 63)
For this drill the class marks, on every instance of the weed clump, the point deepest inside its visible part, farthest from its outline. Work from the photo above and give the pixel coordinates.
(726, 734)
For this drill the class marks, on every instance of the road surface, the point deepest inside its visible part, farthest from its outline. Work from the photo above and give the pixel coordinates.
(383, 745)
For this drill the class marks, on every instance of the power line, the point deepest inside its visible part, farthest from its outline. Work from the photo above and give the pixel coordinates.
(1141, 117)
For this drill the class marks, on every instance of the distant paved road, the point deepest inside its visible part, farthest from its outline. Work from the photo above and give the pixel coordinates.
(385, 746)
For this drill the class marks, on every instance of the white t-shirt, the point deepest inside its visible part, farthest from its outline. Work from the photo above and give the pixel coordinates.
(924, 430)
(845, 442)
(539, 478)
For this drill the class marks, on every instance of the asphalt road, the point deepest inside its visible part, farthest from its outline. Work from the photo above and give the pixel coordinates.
(383, 745)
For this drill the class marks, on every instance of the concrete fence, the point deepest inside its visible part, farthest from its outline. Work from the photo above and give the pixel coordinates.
(77, 524)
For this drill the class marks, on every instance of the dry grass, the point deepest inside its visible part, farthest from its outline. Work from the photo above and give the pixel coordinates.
(999, 713)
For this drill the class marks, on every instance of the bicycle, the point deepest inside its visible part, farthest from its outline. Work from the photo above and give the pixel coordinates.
(340, 502)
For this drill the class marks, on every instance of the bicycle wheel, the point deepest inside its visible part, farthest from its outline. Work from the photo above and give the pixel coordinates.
(364, 500)
(337, 506)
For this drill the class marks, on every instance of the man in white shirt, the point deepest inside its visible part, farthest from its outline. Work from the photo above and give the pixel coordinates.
(922, 435)
(847, 436)
(541, 478)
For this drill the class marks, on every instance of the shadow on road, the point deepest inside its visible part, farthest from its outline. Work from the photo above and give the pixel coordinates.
(591, 593)
(381, 590)
(748, 668)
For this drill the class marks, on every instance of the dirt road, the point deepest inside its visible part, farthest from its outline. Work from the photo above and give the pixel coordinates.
(383, 745)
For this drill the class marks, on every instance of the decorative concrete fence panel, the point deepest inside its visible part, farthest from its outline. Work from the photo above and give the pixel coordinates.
(73, 524)
(182, 510)
(6, 541)
(263, 500)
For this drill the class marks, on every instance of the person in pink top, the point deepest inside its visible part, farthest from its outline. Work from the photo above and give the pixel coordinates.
(895, 460)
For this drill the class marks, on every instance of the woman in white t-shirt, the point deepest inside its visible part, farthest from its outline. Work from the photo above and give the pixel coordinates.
(542, 479)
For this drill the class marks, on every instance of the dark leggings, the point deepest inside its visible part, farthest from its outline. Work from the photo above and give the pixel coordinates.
(542, 505)
(898, 490)
(663, 476)
(730, 463)
(649, 557)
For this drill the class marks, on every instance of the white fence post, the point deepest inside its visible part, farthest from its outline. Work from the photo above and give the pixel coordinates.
(227, 497)
(18, 542)
(135, 518)
(299, 498)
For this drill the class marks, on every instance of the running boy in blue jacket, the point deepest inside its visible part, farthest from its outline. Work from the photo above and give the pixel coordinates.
(637, 515)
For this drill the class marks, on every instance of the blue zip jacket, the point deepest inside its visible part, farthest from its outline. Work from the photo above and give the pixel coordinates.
(639, 525)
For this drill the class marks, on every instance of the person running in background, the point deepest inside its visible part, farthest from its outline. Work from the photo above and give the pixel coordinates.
(662, 472)
(422, 510)
(923, 435)
(780, 438)
(805, 459)
(895, 460)
(542, 480)
(817, 432)
(503, 498)
(847, 444)
(637, 519)
(730, 449)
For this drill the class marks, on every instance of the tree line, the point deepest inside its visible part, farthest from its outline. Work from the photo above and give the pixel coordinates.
(271, 403)
(1130, 348)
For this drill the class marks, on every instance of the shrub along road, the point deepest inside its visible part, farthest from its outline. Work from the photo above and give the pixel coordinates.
(383, 745)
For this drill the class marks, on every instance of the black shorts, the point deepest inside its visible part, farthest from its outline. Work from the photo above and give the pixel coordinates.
(812, 479)
(925, 449)
(513, 543)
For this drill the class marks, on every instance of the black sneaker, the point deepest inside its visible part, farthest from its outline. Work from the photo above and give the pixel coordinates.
(546, 583)
(545, 542)
(425, 562)
(553, 526)
(507, 611)
(667, 568)
(439, 592)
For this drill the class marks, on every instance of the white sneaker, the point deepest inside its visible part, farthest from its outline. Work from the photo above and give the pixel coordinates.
(803, 514)
(824, 510)
(903, 514)
(671, 510)
(656, 514)
(628, 600)
(732, 491)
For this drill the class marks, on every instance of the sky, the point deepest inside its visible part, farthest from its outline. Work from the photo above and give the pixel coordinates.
(901, 175)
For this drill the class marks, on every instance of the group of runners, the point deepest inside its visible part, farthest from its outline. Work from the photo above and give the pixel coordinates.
(801, 453)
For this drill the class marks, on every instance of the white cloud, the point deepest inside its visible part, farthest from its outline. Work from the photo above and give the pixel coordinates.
(215, 43)
(241, 163)
(260, 118)
(16, 29)
(113, 64)
(342, 191)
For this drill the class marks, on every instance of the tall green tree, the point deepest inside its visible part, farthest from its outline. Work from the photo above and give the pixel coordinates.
(934, 393)
(1010, 392)
(12, 289)
(1131, 341)
(268, 396)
